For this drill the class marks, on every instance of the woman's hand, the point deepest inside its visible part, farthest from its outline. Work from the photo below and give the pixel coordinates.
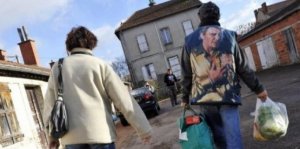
(183, 104)
(54, 144)
(147, 140)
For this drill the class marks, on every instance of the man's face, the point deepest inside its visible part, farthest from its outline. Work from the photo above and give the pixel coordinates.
(210, 38)
(169, 72)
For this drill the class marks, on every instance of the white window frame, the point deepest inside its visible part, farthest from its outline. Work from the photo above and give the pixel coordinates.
(142, 43)
(187, 28)
(149, 72)
(176, 67)
(166, 36)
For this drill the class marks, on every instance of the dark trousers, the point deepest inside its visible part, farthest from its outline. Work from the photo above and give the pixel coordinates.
(91, 146)
(173, 95)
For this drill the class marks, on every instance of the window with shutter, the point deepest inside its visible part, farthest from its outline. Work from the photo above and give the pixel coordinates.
(149, 72)
(142, 43)
(175, 66)
(10, 131)
(187, 27)
(165, 35)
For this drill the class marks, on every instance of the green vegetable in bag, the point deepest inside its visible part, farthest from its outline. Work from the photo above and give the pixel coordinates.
(271, 122)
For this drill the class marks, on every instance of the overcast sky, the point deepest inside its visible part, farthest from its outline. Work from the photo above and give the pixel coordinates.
(48, 22)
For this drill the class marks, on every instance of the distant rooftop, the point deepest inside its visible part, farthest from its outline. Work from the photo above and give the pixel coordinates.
(277, 12)
(275, 8)
(156, 12)
(12, 69)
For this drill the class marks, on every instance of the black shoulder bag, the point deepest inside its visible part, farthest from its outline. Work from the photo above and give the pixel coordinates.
(59, 117)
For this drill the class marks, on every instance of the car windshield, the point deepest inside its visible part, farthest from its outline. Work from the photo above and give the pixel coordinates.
(138, 91)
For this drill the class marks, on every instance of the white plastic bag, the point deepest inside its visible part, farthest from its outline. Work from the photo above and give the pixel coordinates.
(271, 120)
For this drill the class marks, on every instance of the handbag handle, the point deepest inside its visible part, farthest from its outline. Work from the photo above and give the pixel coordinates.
(189, 108)
(60, 90)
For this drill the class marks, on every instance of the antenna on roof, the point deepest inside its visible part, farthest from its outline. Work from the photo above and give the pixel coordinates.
(22, 34)
(151, 2)
(25, 33)
(14, 57)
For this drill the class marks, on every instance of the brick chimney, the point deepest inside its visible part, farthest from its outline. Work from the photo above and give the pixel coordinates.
(151, 2)
(255, 14)
(2, 55)
(28, 48)
(51, 63)
(264, 8)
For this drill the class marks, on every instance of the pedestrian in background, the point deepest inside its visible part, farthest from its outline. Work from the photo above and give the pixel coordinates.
(211, 63)
(90, 87)
(149, 87)
(170, 80)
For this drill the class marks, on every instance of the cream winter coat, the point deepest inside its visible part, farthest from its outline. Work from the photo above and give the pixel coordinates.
(90, 88)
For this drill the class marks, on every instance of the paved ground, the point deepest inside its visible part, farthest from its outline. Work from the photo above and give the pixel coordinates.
(283, 85)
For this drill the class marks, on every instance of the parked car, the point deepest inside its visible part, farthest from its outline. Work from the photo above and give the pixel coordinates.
(146, 99)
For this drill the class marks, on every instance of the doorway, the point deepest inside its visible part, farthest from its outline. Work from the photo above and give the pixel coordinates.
(36, 102)
(290, 42)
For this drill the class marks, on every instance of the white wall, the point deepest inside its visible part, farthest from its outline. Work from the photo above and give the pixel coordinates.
(23, 111)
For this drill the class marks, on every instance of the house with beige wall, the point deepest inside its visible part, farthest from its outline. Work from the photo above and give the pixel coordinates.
(152, 38)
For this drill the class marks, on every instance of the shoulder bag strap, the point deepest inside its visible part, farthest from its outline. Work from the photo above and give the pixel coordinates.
(60, 78)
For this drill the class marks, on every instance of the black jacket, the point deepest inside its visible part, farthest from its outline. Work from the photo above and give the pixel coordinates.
(170, 79)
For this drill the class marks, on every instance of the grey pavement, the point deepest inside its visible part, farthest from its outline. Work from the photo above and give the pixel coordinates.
(283, 85)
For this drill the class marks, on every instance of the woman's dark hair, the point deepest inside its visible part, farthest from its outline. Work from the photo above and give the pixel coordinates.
(209, 12)
(80, 37)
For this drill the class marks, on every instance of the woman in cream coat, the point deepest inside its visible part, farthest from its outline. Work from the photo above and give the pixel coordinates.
(90, 87)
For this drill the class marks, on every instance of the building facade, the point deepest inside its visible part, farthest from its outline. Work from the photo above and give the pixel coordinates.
(152, 38)
(276, 38)
(22, 91)
(21, 105)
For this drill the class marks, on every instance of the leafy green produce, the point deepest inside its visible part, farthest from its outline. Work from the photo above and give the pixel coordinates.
(271, 122)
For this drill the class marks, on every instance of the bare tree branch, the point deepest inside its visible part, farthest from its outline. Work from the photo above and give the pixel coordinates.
(120, 67)
(245, 28)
